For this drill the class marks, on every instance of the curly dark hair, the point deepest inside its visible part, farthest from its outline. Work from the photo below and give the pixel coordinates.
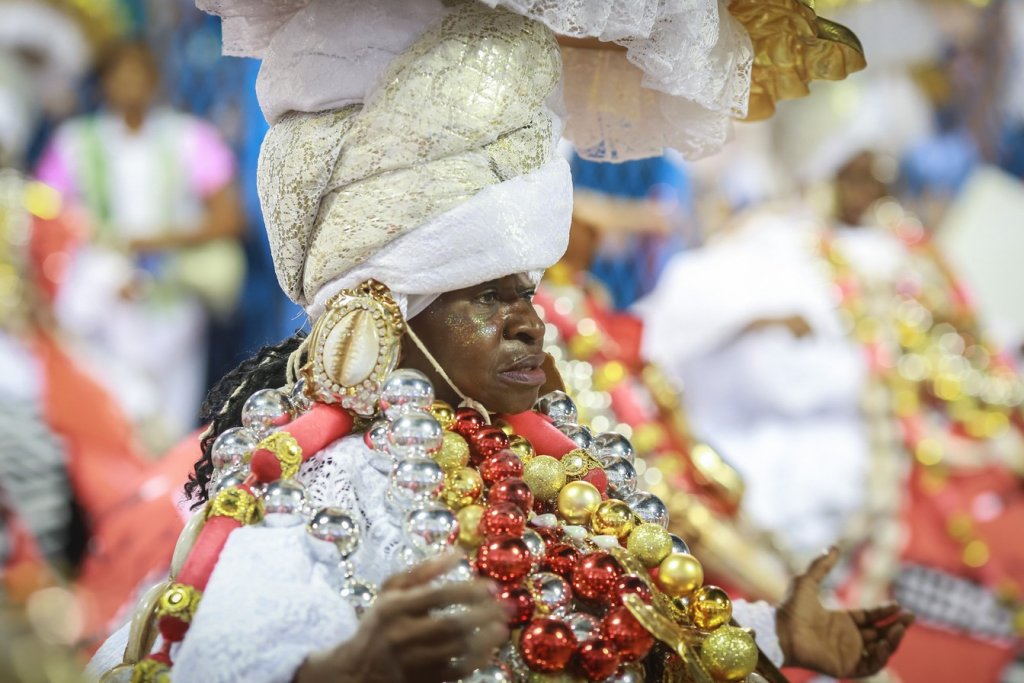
(222, 408)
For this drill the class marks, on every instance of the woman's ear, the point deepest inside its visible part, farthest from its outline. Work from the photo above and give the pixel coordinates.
(554, 380)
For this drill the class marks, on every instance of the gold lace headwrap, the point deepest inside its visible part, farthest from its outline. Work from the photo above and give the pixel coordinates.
(461, 110)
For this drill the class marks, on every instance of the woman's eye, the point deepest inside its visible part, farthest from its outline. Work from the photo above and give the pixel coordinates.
(489, 297)
(528, 294)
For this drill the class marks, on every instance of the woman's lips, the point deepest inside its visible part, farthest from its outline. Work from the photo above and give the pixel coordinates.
(526, 371)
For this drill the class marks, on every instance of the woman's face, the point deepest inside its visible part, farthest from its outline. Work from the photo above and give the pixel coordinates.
(488, 339)
(857, 188)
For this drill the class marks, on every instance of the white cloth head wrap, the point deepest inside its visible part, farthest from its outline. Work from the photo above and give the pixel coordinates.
(412, 140)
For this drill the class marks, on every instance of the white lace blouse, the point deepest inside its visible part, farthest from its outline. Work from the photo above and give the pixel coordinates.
(271, 601)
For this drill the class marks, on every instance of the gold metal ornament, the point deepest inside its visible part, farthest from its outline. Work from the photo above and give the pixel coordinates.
(462, 487)
(287, 451)
(650, 543)
(680, 574)
(545, 476)
(729, 654)
(577, 501)
(353, 347)
(793, 46)
(238, 504)
(180, 601)
(710, 607)
(521, 446)
(576, 463)
(151, 671)
(444, 414)
(469, 526)
(612, 518)
(453, 454)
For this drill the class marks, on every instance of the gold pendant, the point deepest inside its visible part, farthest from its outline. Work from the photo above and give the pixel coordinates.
(353, 347)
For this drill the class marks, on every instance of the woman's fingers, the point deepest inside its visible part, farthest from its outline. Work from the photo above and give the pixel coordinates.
(457, 626)
(455, 656)
(820, 567)
(422, 573)
(419, 600)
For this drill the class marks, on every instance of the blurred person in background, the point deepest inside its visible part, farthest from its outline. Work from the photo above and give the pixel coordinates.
(596, 350)
(835, 358)
(74, 482)
(164, 221)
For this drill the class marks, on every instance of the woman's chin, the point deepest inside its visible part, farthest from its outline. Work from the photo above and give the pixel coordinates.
(514, 402)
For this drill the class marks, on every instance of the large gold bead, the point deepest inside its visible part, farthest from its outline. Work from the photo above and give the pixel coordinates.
(577, 501)
(462, 487)
(545, 476)
(729, 654)
(520, 446)
(680, 574)
(453, 454)
(649, 543)
(443, 413)
(613, 518)
(469, 525)
(710, 607)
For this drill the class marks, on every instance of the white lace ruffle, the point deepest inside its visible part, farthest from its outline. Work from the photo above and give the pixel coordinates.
(685, 72)
(271, 601)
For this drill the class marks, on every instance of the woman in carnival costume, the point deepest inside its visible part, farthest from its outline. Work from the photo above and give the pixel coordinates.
(598, 355)
(847, 343)
(413, 199)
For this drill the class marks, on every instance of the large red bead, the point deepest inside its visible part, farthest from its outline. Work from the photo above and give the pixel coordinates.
(561, 559)
(467, 421)
(547, 645)
(505, 559)
(631, 640)
(503, 519)
(502, 465)
(595, 576)
(633, 584)
(514, 491)
(597, 659)
(520, 605)
(486, 442)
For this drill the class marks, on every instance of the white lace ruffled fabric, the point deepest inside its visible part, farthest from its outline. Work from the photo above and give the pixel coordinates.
(684, 74)
(271, 600)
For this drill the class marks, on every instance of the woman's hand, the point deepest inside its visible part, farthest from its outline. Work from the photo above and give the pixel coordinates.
(842, 644)
(399, 640)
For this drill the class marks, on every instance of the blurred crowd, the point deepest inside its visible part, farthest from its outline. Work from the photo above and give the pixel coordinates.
(815, 337)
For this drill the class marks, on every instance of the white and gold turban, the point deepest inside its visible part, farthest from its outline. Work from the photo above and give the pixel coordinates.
(413, 141)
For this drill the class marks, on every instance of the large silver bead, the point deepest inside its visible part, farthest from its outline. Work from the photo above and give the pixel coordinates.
(359, 594)
(621, 477)
(298, 398)
(266, 411)
(284, 503)
(231, 447)
(376, 437)
(535, 544)
(579, 435)
(584, 626)
(414, 434)
(612, 444)
(679, 545)
(226, 479)
(404, 391)
(551, 591)
(338, 527)
(649, 508)
(460, 573)
(431, 528)
(558, 406)
(415, 480)
(494, 673)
